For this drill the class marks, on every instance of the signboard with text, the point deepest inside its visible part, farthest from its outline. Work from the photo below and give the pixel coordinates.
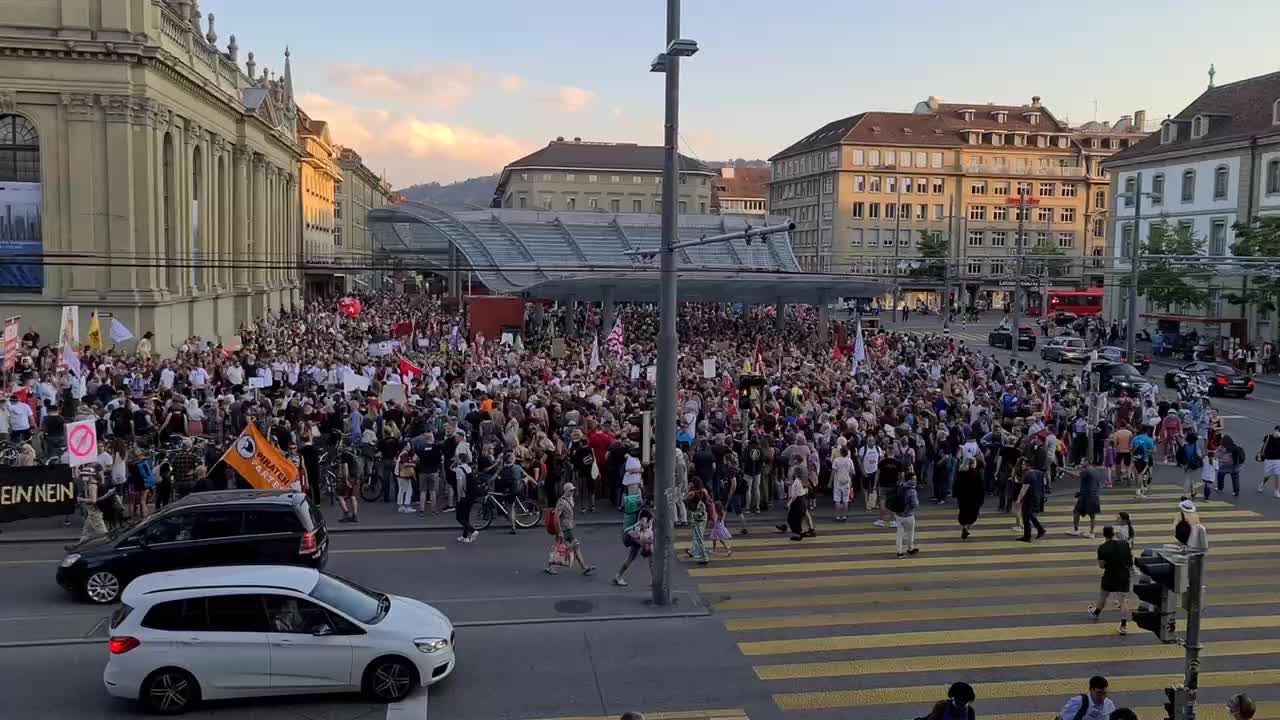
(36, 492)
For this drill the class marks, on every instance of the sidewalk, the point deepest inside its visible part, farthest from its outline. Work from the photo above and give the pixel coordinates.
(374, 517)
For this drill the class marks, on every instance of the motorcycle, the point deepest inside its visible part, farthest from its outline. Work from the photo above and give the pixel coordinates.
(1191, 387)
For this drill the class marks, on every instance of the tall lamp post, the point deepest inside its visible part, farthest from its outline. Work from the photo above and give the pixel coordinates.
(668, 62)
(1136, 196)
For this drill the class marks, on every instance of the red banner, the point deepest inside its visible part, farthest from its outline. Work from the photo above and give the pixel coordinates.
(10, 343)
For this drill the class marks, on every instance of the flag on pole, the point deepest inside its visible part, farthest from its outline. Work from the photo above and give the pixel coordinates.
(757, 360)
(71, 360)
(859, 351)
(94, 341)
(408, 370)
(595, 353)
(119, 333)
(455, 339)
(615, 341)
(1046, 406)
(518, 345)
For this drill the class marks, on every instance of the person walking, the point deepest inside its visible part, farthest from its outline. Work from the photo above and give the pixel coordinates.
(95, 501)
(1088, 499)
(464, 478)
(565, 535)
(1115, 557)
(638, 539)
(957, 706)
(348, 487)
(842, 483)
(969, 490)
(752, 466)
(1230, 457)
(1144, 447)
(406, 470)
(1269, 456)
(902, 502)
(680, 484)
(1029, 499)
(1093, 705)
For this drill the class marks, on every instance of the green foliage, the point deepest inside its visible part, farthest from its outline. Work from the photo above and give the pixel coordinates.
(1172, 283)
(935, 250)
(1047, 258)
(1260, 238)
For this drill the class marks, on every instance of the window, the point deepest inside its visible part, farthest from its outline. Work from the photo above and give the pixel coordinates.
(615, 206)
(637, 180)
(189, 615)
(874, 157)
(1048, 189)
(875, 183)
(935, 160)
(922, 186)
(891, 157)
(859, 157)
(524, 176)
(682, 207)
(1129, 185)
(175, 528)
(1067, 215)
(1273, 177)
(236, 613)
(905, 160)
(873, 211)
(637, 206)
(975, 238)
(904, 211)
(859, 210)
(859, 183)
(1218, 237)
(907, 184)
(684, 179)
(974, 267)
(1069, 190)
(1024, 188)
(1000, 213)
(999, 238)
(571, 203)
(827, 210)
(922, 212)
(702, 207)
(593, 178)
(1198, 126)
(938, 213)
(891, 184)
(1126, 240)
(524, 202)
(287, 614)
(978, 188)
(216, 524)
(890, 211)
(977, 212)
(1042, 239)
(904, 238)
(1044, 215)
(1189, 186)
(828, 184)
(855, 237)
(570, 177)
(593, 203)
(922, 159)
(1066, 240)
(657, 206)
(1100, 200)
(833, 158)
(937, 186)
(1001, 189)
(1220, 177)
(1099, 228)
(1275, 113)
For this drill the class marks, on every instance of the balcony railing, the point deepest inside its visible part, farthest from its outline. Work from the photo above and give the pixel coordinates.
(1072, 171)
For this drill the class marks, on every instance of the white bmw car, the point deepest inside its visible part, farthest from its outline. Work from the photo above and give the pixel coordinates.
(252, 630)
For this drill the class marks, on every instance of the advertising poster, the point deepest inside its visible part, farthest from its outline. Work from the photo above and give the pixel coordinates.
(21, 243)
(11, 343)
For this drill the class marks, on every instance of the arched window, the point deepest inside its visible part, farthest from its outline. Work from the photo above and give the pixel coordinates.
(1221, 175)
(1189, 186)
(20, 224)
(1273, 177)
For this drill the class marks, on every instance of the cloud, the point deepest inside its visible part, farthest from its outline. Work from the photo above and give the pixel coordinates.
(568, 98)
(512, 83)
(411, 148)
(441, 85)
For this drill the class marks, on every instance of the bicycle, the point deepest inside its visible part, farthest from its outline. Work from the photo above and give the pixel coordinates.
(525, 511)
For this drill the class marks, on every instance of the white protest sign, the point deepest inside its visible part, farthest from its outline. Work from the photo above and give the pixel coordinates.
(651, 373)
(380, 349)
(82, 442)
(635, 372)
(395, 391)
(258, 381)
(709, 368)
(353, 382)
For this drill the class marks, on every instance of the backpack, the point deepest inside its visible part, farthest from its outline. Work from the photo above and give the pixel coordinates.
(897, 502)
(1194, 461)
(1084, 708)
(1237, 455)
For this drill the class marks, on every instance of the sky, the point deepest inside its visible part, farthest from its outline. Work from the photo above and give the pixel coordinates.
(433, 90)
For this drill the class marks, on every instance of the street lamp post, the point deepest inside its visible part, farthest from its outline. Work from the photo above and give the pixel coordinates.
(1131, 332)
(669, 63)
(897, 232)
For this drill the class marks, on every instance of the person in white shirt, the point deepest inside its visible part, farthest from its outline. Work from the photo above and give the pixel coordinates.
(234, 375)
(1093, 705)
(20, 415)
(842, 482)
(166, 377)
(632, 474)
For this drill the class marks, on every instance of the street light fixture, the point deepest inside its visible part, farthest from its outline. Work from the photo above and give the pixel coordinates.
(1136, 195)
(682, 47)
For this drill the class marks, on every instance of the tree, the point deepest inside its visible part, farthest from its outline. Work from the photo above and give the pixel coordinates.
(1047, 259)
(1260, 238)
(1167, 282)
(935, 250)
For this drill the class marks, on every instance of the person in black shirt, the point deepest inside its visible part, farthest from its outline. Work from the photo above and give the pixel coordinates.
(752, 465)
(1029, 498)
(1116, 560)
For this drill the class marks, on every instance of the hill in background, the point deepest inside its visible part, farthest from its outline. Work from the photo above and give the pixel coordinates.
(477, 192)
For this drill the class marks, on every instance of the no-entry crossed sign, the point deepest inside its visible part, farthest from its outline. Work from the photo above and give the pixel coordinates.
(82, 442)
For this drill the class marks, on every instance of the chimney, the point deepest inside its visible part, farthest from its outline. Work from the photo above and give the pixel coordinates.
(726, 173)
(1035, 101)
(560, 139)
(577, 139)
(1140, 121)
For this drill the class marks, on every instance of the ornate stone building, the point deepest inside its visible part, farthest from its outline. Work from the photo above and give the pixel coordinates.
(320, 176)
(160, 171)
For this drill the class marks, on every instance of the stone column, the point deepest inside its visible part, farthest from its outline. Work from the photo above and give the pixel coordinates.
(186, 239)
(270, 225)
(780, 315)
(213, 203)
(243, 158)
(82, 235)
(163, 118)
(258, 253)
(120, 209)
(179, 253)
(606, 310)
(824, 319)
(146, 195)
(291, 232)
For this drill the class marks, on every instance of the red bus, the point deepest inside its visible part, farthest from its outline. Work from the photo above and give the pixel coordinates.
(1078, 302)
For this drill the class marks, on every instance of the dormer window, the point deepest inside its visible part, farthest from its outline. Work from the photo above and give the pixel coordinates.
(1001, 116)
(1033, 118)
(974, 137)
(1168, 132)
(1042, 141)
(967, 115)
(1062, 141)
(997, 139)
(1199, 126)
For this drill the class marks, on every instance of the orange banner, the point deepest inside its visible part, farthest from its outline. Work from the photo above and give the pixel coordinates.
(261, 463)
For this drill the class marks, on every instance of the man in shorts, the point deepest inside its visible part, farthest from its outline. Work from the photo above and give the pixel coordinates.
(1269, 454)
(842, 482)
(1116, 560)
(565, 533)
(1122, 441)
(348, 488)
(1144, 448)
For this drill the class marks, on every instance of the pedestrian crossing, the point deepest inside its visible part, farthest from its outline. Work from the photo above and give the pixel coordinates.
(836, 626)
(717, 714)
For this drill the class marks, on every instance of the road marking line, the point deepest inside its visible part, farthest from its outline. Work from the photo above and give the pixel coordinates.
(858, 535)
(1011, 544)
(1204, 711)
(975, 635)
(386, 550)
(947, 560)
(919, 694)
(927, 578)
(723, 714)
(940, 613)
(872, 597)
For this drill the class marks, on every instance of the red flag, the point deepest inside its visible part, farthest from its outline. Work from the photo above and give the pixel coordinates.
(404, 329)
(408, 370)
(349, 306)
(757, 361)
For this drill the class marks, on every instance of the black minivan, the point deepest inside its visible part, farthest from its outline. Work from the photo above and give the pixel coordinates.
(225, 527)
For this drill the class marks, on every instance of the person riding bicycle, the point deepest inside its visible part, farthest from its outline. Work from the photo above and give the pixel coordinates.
(509, 485)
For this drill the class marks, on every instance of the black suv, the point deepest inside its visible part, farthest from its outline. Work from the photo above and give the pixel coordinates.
(226, 527)
(1002, 336)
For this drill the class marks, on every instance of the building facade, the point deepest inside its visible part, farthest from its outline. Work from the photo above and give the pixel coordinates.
(741, 191)
(153, 175)
(865, 190)
(320, 176)
(359, 191)
(573, 175)
(1212, 165)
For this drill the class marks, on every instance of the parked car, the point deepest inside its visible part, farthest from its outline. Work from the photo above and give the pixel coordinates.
(233, 527)
(1221, 379)
(183, 636)
(1117, 354)
(1062, 318)
(1064, 348)
(1002, 336)
(1116, 377)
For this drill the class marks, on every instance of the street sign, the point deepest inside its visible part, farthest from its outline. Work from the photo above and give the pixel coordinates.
(1015, 201)
(82, 442)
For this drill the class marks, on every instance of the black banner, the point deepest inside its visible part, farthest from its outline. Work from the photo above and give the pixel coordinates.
(34, 492)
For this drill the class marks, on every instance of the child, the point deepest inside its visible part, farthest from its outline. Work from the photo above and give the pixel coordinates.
(1209, 473)
(1109, 463)
(719, 533)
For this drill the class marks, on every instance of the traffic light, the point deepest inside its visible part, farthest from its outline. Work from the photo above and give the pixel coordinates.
(1158, 609)
(1176, 697)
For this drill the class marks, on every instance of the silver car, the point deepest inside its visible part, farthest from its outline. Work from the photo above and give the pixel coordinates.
(1065, 349)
